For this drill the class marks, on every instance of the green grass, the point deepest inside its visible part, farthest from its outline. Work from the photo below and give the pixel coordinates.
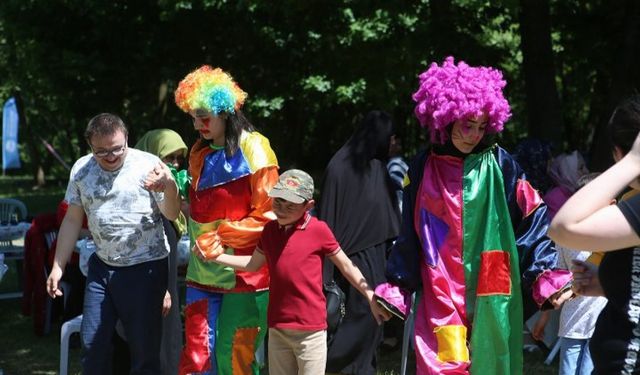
(25, 353)
(38, 200)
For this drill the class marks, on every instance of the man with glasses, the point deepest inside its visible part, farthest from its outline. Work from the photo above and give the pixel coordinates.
(123, 192)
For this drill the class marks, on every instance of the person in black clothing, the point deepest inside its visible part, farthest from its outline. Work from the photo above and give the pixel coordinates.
(588, 221)
(359, 206)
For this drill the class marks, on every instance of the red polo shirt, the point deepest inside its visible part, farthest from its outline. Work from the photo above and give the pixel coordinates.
(295, 257)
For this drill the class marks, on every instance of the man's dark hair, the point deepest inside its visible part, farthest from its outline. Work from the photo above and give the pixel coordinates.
(104, 124)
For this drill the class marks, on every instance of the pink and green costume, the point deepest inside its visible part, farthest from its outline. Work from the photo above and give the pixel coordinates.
(474, 243)
(473, 238)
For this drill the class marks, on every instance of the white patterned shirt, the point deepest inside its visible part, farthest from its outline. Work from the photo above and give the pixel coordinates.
(124, 218)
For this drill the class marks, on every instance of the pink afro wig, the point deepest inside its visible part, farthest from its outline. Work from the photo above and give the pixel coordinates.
(453, 92)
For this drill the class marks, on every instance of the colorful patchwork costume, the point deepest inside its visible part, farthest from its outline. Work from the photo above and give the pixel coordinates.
(226, 309)
(473, 238)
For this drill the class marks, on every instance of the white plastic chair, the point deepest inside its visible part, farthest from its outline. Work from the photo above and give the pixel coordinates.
(86, 248)
(12, 210)
(13, 213)
(69, 327)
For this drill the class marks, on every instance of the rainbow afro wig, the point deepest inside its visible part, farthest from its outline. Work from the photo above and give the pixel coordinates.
(209, 89)
(453, 92)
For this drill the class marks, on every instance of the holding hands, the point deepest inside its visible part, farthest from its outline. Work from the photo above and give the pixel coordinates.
(379, 313)
(208, 246)
(158, 178)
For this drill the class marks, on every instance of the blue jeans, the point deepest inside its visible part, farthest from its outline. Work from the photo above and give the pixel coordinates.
(575, 358)
(133, 295)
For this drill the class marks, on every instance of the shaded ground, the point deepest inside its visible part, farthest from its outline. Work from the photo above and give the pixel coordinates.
(23, 353)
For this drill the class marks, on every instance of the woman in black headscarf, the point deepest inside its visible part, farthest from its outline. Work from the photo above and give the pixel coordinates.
(358, 205)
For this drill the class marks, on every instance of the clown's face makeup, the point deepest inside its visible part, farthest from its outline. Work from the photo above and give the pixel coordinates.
(466, 135)
(210, 126)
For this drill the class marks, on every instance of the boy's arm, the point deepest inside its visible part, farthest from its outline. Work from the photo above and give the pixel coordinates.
(355, 278)
(242, 262)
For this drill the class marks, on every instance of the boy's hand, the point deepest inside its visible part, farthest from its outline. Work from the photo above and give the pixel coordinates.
(585, 279)
(208, 247)
(379, 314)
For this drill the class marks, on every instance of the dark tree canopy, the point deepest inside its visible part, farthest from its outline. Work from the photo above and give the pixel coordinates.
(312, 68)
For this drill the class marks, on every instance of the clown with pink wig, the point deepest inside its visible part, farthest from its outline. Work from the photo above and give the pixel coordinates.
(232, 168)
(473, 239)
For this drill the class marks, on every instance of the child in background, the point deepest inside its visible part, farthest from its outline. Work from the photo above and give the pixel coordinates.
(565, 170)
(294, 247)
(578, 316)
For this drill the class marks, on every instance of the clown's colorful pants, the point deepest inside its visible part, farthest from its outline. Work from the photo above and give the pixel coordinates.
(223, 332)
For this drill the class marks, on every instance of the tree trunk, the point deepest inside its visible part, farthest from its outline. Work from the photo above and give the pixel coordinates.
(442, 21)
(544, 116)
(624, 74)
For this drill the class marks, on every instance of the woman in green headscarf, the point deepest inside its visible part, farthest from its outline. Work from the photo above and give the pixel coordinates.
(169, 146)
(165, 144)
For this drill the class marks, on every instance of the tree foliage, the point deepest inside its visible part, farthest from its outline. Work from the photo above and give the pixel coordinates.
(312, 68)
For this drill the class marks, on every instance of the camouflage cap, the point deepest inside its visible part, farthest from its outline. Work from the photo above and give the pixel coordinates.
(294, 186)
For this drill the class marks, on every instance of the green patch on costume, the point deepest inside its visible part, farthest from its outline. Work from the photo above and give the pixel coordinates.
(242, 326)
(208, 273)
(494, 299)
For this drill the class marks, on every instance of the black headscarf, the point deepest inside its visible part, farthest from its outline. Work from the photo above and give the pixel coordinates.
(357, 194)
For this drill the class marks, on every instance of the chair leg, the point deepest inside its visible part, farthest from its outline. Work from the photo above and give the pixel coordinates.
(67, 329)
(64, 349)
(20, 273)
(552, 354)
(406, 335)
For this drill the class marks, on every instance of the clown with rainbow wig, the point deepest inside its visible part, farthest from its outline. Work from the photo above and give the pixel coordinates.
(232, 168)
(473, 238)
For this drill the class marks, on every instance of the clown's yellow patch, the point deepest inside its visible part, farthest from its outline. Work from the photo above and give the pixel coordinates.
(452, 343)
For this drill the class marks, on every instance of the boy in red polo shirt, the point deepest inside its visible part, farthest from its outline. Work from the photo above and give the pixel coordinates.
(294, 247)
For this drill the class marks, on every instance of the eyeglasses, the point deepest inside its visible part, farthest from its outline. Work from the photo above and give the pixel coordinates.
(114, 151)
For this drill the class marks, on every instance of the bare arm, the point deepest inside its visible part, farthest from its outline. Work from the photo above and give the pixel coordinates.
(170, 206)
(355, 278)
(587, 221)
(67, 237)
(242, 262)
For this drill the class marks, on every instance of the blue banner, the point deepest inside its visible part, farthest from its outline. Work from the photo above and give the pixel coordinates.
(10, 154)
